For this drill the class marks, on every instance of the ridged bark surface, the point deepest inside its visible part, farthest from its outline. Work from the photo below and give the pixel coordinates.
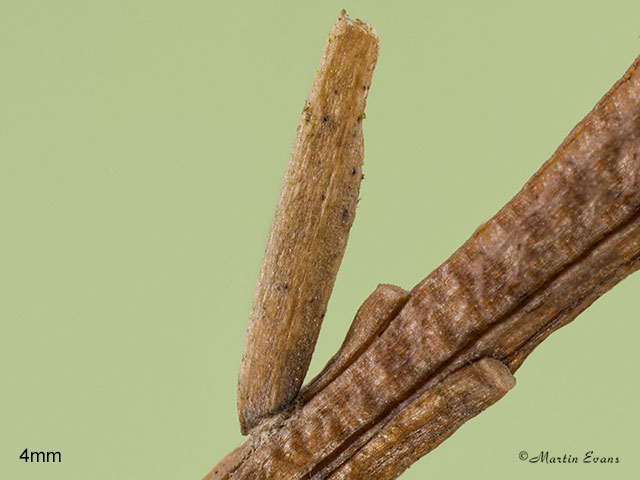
(438, 356)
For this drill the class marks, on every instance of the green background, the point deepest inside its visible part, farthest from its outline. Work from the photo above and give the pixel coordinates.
(142, 146)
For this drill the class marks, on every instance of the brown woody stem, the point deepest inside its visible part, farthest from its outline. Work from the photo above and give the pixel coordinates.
(439, 356)
(311, 226)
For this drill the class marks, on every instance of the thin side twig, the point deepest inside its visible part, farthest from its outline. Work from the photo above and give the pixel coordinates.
(311, 226)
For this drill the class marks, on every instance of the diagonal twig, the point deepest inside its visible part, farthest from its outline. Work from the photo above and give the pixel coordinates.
(417, 364)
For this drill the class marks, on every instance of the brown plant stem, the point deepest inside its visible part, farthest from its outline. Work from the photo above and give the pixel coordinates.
(415, 367)
(311, 226)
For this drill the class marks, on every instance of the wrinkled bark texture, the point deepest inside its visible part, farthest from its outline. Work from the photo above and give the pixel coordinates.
(416, 365)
